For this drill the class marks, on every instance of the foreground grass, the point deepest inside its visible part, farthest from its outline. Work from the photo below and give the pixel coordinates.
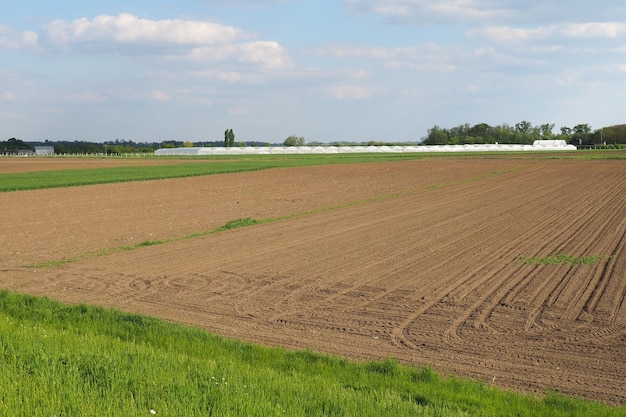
(78, 360)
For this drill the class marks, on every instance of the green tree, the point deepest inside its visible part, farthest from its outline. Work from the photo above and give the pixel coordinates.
(480, 132)
(229, 138)
(581, 134)
(525, 133)
(523, 127)
(15, 144)
(546, 130)
(294, 140)
(436, 136)
(611, 135)
(565, 134)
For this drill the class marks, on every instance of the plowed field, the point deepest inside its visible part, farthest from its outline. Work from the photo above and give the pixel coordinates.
(450, 263)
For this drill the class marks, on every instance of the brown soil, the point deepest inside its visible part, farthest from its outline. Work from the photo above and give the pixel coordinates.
(416, 260)
(19, 164)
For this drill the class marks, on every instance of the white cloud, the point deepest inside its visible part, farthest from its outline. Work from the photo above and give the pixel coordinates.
(432, 10)
(352, 92)
(473, 88)
(608, 30)
(7, 96)
(268, 55)
(163, 41)
(12, 39)
(129, 29)
(159, 96)
(510, 35)
(516, 36)
(470, 12)
(354, 51)
(230, 76)
(428, 57)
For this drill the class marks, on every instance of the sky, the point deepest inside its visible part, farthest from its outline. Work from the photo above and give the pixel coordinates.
(326, 70)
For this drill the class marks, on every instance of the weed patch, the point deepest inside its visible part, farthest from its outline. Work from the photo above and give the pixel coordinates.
(562, 259)
(236, 224)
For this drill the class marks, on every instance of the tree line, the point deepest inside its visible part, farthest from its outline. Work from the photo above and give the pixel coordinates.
(524, 133)
(112, 147)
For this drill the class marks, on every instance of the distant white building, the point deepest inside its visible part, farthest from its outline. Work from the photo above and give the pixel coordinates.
(44, 150)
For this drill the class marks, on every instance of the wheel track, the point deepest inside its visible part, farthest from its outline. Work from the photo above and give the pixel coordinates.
(358, 263)
(573, 303)
(463, 287)
(510, 297)
(495, 295)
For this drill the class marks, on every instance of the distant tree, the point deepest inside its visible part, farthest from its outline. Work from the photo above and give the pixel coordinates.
(525, 133)
(565, 134)
(229, 138)
(502, 134)
(523, 127)
(436, 136)
(581, 134)
(188, 144)
(481, 131)
(294, 140)
(15, 144)
(546, 130)
(610, 135)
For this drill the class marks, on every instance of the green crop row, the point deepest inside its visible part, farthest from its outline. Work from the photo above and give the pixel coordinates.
(80, 360)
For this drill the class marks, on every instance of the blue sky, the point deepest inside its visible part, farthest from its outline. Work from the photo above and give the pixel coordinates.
(355, 70)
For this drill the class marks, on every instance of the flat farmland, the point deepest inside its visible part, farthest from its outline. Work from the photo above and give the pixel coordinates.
(15, 165)
(510, 271)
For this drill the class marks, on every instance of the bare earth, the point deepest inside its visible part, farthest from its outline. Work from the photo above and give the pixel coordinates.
(17, 164)
(416, 260)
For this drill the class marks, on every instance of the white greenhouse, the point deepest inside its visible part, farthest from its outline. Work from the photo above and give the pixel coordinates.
(538, 145)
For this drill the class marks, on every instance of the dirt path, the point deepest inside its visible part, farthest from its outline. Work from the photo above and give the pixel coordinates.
(415, 260)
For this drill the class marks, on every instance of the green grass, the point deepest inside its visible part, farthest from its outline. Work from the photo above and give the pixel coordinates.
(79, 360)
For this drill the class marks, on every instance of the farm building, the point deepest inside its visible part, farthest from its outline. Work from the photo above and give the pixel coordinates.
(44, 150)
(538, 145)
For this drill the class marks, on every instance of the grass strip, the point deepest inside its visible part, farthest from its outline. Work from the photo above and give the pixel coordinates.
(233, 224)
(81, 360)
